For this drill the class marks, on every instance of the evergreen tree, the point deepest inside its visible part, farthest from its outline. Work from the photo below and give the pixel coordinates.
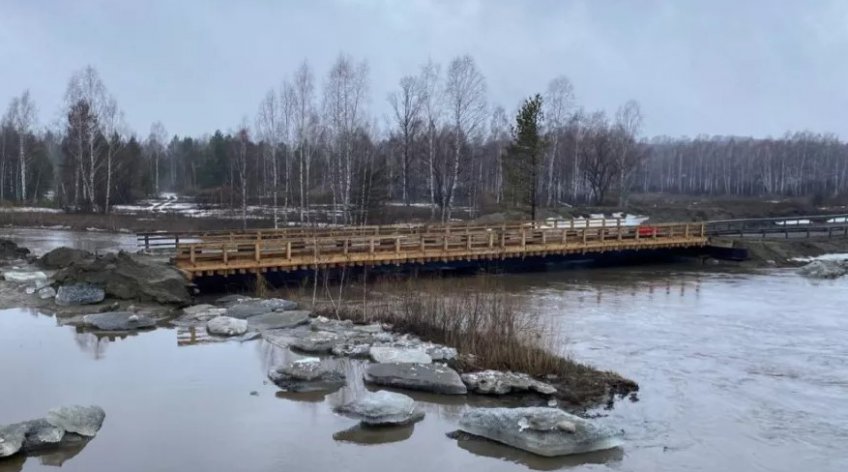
(524, 157)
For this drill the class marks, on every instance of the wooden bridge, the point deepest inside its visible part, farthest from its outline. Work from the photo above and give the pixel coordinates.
(291, 249)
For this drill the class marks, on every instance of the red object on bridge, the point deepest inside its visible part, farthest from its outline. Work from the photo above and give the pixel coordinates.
(647, 231)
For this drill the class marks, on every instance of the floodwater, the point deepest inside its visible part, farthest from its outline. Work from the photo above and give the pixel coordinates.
(40, 240)
(738, 372)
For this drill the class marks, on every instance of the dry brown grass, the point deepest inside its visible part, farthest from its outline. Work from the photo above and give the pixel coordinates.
(490, 328)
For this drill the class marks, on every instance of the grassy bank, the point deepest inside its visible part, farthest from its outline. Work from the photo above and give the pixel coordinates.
(489, 328)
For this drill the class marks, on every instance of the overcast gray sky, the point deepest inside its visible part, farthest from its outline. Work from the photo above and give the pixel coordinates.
(756, 67)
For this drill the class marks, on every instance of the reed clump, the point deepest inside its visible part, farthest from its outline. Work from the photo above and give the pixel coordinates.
(489, 327)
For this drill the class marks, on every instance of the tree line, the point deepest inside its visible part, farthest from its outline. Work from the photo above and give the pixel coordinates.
(316, 141)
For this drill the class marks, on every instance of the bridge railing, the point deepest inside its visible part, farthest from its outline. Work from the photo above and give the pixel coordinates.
(445, 243)
(826, 224)
(168, 240)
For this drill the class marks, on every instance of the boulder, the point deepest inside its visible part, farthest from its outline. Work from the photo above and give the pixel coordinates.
(278, 304)
(388, 355)
(12, 438)
(306, 375)
(119, 321)
(441, 353)
(62, 257)
(130, 277)
(25, 276)
(83, 420)
(544, 431)
(382, 408)
(79, 294)
(244, 310)
(10, 250)
(226, 326)
(493, 382)
(351, 349)
(824, 269)
(278, 320)
(203, 312)
(317, 342)
(436, 378)
(41, 434)
(46, 293)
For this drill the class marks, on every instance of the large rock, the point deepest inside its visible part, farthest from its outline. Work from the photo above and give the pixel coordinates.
(389, 355)
(63, 257)
(41, 434)
(79, 294)
(63, 427)
(12, 438)
(130, 277)
(203, 312)
(382, 408)
(493, 382)
(547, 432)
(317, 342)
(824, 269)
(436, 378)
(247, 309)
(83, 420)
(278, 320)
(10, 250)
(119, 321)
(226, 326)
(306, 375)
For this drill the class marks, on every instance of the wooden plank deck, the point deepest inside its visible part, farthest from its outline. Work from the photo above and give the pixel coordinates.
(260, 251)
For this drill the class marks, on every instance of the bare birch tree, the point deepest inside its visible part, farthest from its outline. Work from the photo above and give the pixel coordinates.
(465, 93)
(305, 123)
(269, 125)
(559, 102)
(431, 102)
(22, 117)
(344, 102)
(406, 104)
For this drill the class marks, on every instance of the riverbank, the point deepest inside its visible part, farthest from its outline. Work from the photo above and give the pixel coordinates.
(776, 252)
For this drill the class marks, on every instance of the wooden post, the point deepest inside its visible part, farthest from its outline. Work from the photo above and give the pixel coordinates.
(637, 231)
(523, 239)
(256, 251)
(686, 231)
(288, 250)
(585, 231)
(603, 228)
(467, 240)
(491, 239)
(703, 229)
(544, 238)
(371, 245)
(618, 227)
(397, 245)
(224, 252)
(146, 242)
(572, 223)
(191, 253)
(346, 246)
(564, 235)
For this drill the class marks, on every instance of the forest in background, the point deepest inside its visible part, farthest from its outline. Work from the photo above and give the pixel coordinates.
(314, 140)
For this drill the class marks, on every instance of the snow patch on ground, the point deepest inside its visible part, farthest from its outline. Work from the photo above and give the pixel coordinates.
(823, 257)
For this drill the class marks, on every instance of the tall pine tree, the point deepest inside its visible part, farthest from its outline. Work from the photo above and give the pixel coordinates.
(524, 157)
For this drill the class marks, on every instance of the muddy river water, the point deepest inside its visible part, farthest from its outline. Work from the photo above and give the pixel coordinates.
(738, 372)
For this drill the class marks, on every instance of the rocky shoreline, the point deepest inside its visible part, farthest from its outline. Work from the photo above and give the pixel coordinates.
(123, 293)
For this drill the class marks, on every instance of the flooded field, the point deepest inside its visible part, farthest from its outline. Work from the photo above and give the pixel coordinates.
(738, 372)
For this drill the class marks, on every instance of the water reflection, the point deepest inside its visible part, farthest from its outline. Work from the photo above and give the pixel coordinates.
(371, 435)
(485, 448)
(49, 457)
